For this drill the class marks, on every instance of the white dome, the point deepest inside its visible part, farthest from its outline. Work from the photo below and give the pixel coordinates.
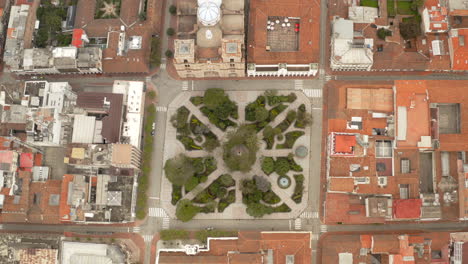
(209, 13)
(217, 2)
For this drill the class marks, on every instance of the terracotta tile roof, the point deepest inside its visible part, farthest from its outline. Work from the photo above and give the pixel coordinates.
(26, 160)
(250, 248)
(459, 49)
(370, 99)
(385, 244)
(345, 143)
(76, 37)
(341, 184)
(366, 241)
(407, 208)
(437, 15)
(413, 96)
(38, 255)
(309, 13)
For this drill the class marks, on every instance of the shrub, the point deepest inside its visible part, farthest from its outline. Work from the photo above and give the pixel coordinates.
(298, 189)
(274, 112)
(173, 9)
(211, 144)
(169, 53)
(191, 184)
(196, 100)
(262, 184)
(151, 94)
(261, 114)
(284, 208)
(176, 194)
(382, 33)
(268, 165)
(170, 32)
(291, 116)
(179, 169)
(214, 187)
(281, 166)
(291, 138)
(203, 197)
(155, 56)
(270, 197)
(203, 235)
(226, 180)
(258, 210)
(210, 165)
(209, 207)
(173, 234)
(185, 210)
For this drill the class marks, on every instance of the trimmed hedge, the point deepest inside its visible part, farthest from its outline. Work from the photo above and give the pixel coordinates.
(173, 234)
(298, 189)
(291, 138)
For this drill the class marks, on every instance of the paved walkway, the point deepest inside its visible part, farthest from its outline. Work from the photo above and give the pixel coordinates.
(237, 209)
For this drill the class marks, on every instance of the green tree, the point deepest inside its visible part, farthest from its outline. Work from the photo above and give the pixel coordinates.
(185, 210)
(170, 32)
(240, 150)
(227, 180)
(268, 165)
(173, 9)
(191, 183)
(214, 98)
(169, 53)
(268, 131)
(281, 166)
(262, 183)
(409, 29)
(179, 169)
(382, 33)
(258, 210)
(211, 144)
(261, 114)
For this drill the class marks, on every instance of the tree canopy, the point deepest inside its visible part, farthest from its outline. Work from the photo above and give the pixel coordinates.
(179, 169)
(240, 150)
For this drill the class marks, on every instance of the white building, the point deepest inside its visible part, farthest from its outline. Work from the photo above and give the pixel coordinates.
(134, 102)
(349, 51)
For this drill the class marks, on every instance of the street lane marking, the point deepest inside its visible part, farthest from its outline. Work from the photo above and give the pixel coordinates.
(310, 215)
(161, 109)
(136, 229)
(297, 224)
(323, 228)
(147, 238)
(166, 223)
(313, 93)
(298, 84)
(185, 85)
(157, 212)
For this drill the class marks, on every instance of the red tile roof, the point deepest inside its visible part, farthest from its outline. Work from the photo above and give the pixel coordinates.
(26, 160)
(437, 16)
(309, 13)
(407, 208)
(366, 241)
(459, 49)
(6, 156)
(76, 37)
(345, 143)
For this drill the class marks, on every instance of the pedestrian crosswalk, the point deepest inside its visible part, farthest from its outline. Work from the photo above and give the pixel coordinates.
(323, 228)
(314, 93)
(147, 238)
(185, 85)
(163, 66)
(166, 223)
(297, 223)
(161, 109)
(315, 237)
(328, 77)
(309, 215)
(298, 84)
(157, 212)
(136, 229)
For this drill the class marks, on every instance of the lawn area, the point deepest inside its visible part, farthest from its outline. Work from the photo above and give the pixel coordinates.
(404, 8)
(370, 3)
(391, 12)
(106, 9)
